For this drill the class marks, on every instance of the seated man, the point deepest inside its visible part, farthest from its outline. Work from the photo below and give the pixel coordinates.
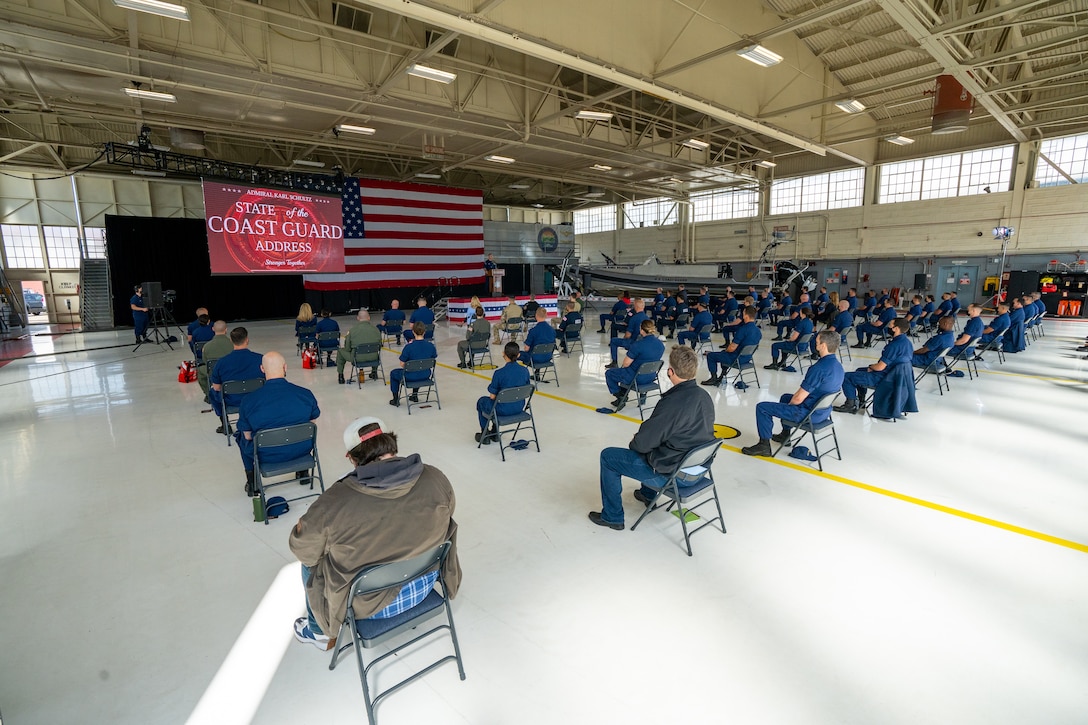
(841, 323)
(1014, 341)
(572, 317)
(417, 348)
(822, 298)
(675, 314)
(325, 323)
(658, 304)
(392, 321)
(971, 330)
(510, 375)
(866, 330)
(926, 318)
(387, 509)
(763, 307)
(361, 334)
(542, 333)
(914, 312)
(682, 420)
(218, 347)
(512, 311)
(528, 312)
(479, 326)
(943, 310)
(747, 334)
(200, 331)
(782, 309)
(240, 364)
(276, 404)
(996, 328)
(804, 326)
(852, 298)
(692, 335)
(647, 348)
(638, 305)
(935, 345)
(423, 314)
(727, 311)
(822, 378)
(200, 312)
(619, 308)
(895, 352)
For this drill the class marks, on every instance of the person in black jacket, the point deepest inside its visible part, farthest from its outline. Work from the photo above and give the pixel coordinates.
(682, 420)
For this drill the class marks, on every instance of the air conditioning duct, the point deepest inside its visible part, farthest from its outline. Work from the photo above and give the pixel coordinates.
(184, 138)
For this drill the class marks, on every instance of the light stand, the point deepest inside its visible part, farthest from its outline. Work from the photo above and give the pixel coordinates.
(160, 320)
(1001, 234)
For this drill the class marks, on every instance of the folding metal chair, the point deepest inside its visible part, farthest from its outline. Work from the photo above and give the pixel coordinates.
(391, 333)
(693, 478)
(368, 633)
(573, 334)
(198, 350)
(267, 441)
(234, 387)
(700, 342)
(496, 421)
(478, 347)
(939, 370)
(820, 431)
(967, 360)
(410, 388)
(359, 363)
(645, 390)
(540, 369)
(511, 329)
(327, 350)
(618, 328)
(993, 345)
(307, 335)
(741, 368)
(799, 354)
(428, 331)
(843, 345)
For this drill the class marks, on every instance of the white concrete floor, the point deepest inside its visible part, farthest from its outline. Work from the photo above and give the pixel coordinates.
(937, 574)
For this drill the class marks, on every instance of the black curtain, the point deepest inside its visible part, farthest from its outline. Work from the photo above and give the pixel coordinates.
(175, 253)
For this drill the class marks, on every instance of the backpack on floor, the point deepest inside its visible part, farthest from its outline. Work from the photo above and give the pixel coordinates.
(309, 358)
(187, 372)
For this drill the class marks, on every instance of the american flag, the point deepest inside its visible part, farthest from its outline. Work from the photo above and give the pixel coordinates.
(407, 235)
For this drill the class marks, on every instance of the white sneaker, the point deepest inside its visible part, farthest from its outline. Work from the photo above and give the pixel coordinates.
(306, 636)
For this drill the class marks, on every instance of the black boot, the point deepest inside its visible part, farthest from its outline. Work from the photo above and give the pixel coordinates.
(763, 448)
(850, 406)
(781, 436)
(251, 487)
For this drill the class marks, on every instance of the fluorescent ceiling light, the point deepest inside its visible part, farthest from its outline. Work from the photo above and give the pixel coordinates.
(429, 176)
(311, 164)
(593, 115)
(601, 167)
(594, 194)
(898, 139)
(150, 95)
(694, 143)
(676, 180)
(155, 7)
(851, 105)
(348, 128)
(521, 186)
(766, 164)
(431, 74)
(495, 158)
(760, 55)
(538, 206)
(144, 172)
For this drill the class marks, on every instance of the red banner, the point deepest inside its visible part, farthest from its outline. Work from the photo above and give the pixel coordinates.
(272, 230)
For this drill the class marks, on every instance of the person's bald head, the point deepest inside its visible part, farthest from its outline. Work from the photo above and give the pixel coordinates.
(363, 315)
(273, 365)
(220, 327)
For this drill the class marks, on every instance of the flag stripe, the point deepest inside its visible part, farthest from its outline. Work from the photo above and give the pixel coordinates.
(423, 260)
(448, 270)
(408, 206)
(379, 222)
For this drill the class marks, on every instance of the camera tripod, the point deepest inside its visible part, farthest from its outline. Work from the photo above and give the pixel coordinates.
(158, 328)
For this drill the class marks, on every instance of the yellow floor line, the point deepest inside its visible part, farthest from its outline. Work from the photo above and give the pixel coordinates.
(1076, 546)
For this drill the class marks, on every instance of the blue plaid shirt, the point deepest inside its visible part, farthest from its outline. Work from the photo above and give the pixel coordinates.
(410, 595)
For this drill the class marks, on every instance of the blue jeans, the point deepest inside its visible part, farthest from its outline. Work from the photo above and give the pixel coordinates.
(766, 412)
(619, 462)
(309, 612)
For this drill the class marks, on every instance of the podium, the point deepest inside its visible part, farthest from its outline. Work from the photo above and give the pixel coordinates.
(495, 277)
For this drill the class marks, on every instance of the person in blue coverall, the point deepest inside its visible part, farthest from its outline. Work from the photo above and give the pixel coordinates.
(692, 335)
(996, 328)
(392, 320)
(619, 308)
(139, 313)
(675, 314)
(727, 311)
(822, 298)
(914, 312)
(804, 326)
(747, 334)
(647, 348)
(325, 323)
(572, 317)
(416, 348)
(972, 330)
(202, 332)
(542, 333)
(822, 378)
(1014, 336)
(510, 375)
(795, 316)
(423, 314)
(841, 323)
(935, 345)
(634, 322)
(275, 404)
(196, 324)
(866, 330)
(782, 309)
(683, 419)
(240, 364)
(897, 351)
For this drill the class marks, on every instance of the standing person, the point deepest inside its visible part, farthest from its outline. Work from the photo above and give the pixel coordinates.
(361, 334)
(139, 313)
(417, 348)
(393, 320)
(241, 364)
(424, 314)
(510, 375)
(823, 377)
(389, 508)
(489, 272)
(325, 323)
(479, 326)
(681, 420)
(275, 404)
